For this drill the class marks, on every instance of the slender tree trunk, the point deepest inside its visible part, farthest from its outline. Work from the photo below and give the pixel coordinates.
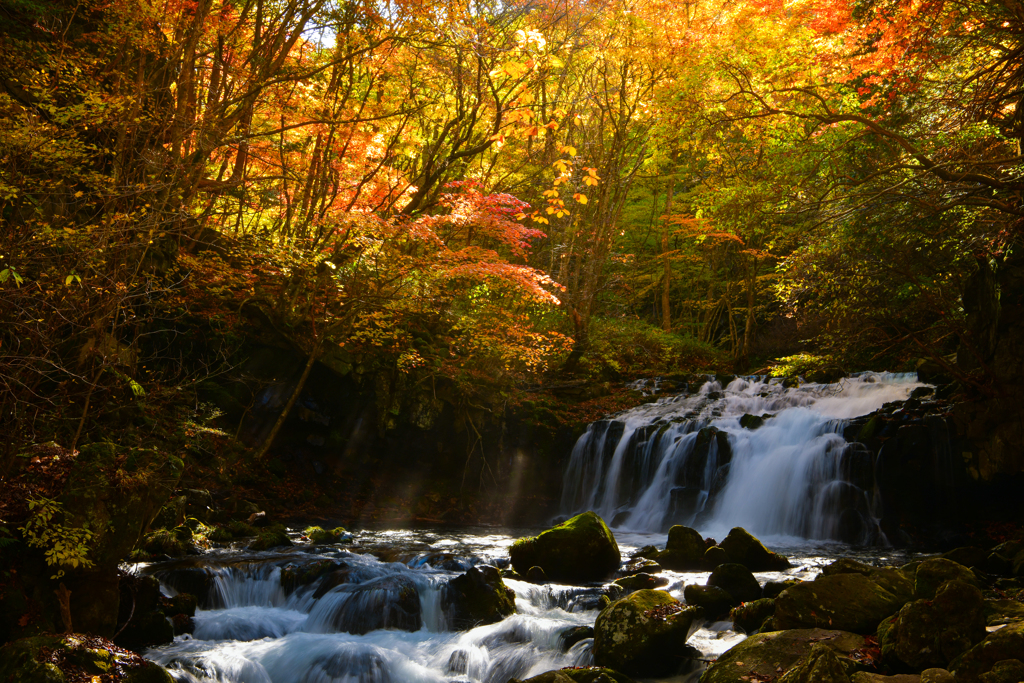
(313, 355)
(748, 332)
(666, 280)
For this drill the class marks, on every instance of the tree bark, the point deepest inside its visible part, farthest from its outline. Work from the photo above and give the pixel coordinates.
(269, 441)
(666, 281)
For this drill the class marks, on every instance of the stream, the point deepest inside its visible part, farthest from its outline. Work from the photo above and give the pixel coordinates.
(368, 631)
(754, 453)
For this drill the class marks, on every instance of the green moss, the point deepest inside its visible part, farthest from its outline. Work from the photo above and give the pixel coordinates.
(272, 537)
(164, 542)
(581, 549)
(643, 633)
(240, 529)
(321, 536)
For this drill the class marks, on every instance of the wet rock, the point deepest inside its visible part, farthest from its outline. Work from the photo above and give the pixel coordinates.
(856, 465)
(772, 589)
(821, 666)
(748, 421)
(933, 573)
(640, 582)
(715, 556)
(769, 656)
(536, 575)
(684, 550)
(647, 551)
(743, 548)
(272, 537)
(750, 616)
(643, 634)
(573, 635)
(388, 602)
(930, 633)
(187, 578)
(716, 602)
(968, 556)
(319, 536)
(937, 676)
(293, 576)
(589, 674)
(849, 601)
(198, 504)
(640, 565)
(1006, 643)
(1003, 612)
(737, 580)
(579, 550)
(1006, 671)
(478, 597)
(333, 580)
(866, 677)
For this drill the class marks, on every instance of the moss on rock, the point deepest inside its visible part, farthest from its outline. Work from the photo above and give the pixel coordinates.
(849, 602)
(751, 615)
(762, 657)
(271, 537)
(930, 633)
(478, 597)
(579, 550)
(643, 633)
(684, 550)
(743, 548)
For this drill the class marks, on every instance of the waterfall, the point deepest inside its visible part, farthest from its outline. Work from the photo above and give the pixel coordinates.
(755, 454)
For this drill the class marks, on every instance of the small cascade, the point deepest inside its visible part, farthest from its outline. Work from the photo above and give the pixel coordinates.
(350, 618)
(754, 453)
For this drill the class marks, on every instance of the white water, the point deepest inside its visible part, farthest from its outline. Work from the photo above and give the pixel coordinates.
(253, 632)
(784, 478)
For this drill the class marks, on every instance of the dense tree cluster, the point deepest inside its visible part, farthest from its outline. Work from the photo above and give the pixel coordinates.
(490, 190)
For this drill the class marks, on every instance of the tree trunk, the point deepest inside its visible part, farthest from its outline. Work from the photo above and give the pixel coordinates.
(313, 355)
(666, 280)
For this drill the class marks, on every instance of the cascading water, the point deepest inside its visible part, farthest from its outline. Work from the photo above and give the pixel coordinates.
(755, 454)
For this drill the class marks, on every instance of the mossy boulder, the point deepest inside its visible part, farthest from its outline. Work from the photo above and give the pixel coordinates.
(737, 580)
(772, 589)
(478, 597)
(636, 582)
(751, 615)
(271, 537)
(640, 565)
(930, 633)
(771, 655)
(849, 602)
(715, 556)
(588, 674)
(1006, 643)
(319, 536)
(170, 542)
(1006, 671)
(821, 666)
(935, 572)
(644, 633)
(743, 548)
(716, 602)
(579, 550)
(684, 550)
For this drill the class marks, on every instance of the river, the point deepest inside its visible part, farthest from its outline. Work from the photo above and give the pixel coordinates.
(380, 615)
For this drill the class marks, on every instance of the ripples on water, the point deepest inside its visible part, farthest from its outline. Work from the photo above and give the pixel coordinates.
(252, 631)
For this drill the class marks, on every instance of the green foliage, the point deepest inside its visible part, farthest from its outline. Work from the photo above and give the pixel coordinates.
(630, 348)
(65, 547)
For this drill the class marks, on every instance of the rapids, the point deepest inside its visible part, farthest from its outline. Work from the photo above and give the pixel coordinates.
(753, 453)
(252, 630)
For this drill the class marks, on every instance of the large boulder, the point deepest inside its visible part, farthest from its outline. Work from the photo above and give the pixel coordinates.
(579, 550)
(716, 602)
(849, 601)
(737, 580)
(478, 597)
(935, 572)
(930, 633)
(684, 550)
(1006, 643)
(821, 666)
(743, 548)
(644, 633)
(770, 656)
(751, 615)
